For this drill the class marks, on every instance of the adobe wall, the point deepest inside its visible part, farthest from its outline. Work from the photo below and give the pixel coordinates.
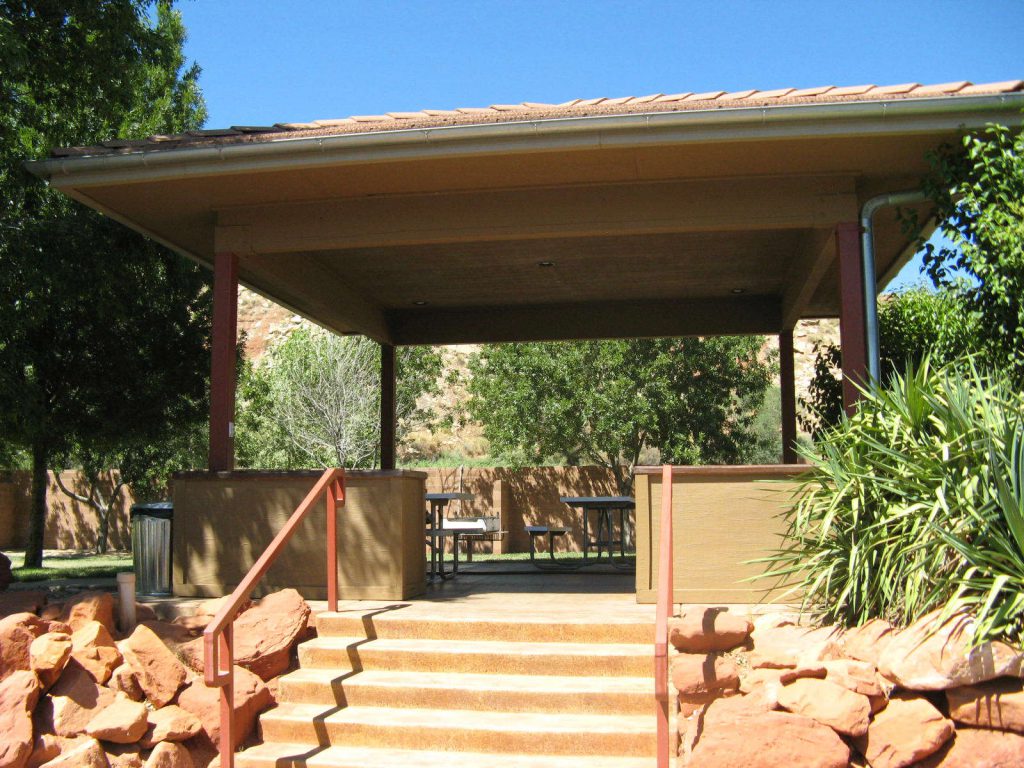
(69, 523)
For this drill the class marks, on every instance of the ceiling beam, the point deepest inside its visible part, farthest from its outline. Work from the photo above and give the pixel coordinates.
(521, 214)
(316, 292)
(608, 320)
(805, 275)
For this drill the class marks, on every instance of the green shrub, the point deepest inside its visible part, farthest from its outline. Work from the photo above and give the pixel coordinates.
(915, 503)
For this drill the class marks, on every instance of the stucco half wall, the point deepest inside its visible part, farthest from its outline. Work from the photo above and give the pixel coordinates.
(722, 517)
(224, 521)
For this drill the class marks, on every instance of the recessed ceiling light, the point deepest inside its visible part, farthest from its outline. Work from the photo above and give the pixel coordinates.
(739, 290)
(419, 303)
(545, 263)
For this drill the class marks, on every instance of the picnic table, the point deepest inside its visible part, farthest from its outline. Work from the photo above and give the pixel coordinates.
(437, 533)
(604, 508)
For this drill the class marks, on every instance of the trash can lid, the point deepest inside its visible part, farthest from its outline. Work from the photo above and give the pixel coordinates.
(161, 509)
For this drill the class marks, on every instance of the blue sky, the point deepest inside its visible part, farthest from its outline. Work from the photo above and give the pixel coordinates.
(284, 61)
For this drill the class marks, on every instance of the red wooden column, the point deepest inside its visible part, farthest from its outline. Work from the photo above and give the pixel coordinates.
(787, 387)
(852, 328)
(388, 409)
(222, 363)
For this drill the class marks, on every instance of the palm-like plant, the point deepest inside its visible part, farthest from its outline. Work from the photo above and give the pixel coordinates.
(915, 503)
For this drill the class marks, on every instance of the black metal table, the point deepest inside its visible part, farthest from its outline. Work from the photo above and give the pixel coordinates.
(605, 507)
(437, 533)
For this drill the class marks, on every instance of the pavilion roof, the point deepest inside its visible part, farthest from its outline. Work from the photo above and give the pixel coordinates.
(529, 111)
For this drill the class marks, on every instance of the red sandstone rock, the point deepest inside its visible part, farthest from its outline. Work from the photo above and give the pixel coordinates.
(995, 704)
(816, 671)
(171, 634)
(923, 658)
(170, 723)
(47, 746)
(859, 676)
(204, 613)
(144, 612)
(978, 748)
(19, 693)
(123, 721)
(733, 735)
(906, 731)
(59, 626)
(48, 654)
(158, 671)
(265, 634)
(22, 601)
(90, 606)
(124, 755)
(694, 673)
(251, 698)
(789, 646)
(842, 710)
(94, 648)
(168, 755)
(87, 753)
(17, 632)
(73, 701)
(704, 630)
(123, 679)
(863, 643)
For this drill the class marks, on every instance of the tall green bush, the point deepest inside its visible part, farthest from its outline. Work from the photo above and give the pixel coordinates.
(915, 503)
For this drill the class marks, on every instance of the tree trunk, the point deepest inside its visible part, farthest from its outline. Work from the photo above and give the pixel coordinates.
(37, 513)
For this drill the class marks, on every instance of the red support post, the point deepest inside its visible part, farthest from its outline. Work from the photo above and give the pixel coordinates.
(223, 362)
(852, 327)
(787, 388)
(388, 408)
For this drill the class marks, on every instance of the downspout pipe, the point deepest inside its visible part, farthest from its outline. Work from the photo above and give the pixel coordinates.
(867, 249)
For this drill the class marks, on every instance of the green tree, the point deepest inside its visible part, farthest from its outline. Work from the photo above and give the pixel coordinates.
(103, 335)
(978, 192)
(911, 325)
(605, 402)
(314, 400)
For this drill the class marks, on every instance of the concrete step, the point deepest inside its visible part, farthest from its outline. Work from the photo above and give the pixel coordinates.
(483, 657)
(528, 628)
(301, 756)
(486, 692)
(535, 733)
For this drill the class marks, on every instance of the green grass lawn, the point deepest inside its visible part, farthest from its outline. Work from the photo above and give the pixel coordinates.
(71, 565)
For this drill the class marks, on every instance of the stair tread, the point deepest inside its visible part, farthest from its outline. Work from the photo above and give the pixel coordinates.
(533, 616)
(539, 723)
(473, 681)
(353, 757)
(487, 647)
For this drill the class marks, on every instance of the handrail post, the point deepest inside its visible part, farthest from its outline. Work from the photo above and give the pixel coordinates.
(227, 697)
(666, 599)
(334, 494)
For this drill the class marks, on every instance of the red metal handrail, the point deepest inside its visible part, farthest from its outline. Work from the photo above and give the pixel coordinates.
(665, 602)
(218, 637)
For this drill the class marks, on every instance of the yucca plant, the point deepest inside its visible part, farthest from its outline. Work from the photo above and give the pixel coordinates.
(915, 503)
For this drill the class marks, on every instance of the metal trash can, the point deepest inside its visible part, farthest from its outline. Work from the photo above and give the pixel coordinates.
(151, 547)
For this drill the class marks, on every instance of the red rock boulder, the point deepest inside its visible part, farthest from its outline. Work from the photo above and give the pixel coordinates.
(170, 723)
(733, 735)
(995, 704)
(842, 710)
(123, 721)
(85, 753)
(90, 606)
(265, 634)
(706, 630)
(156, 668)
(927, 656)
(169, 755)
(19, 693)
(976, 748)
(905, 732)
(48, 655)
(250, 698)
(72, 702)
(94, 648)
(17, 632)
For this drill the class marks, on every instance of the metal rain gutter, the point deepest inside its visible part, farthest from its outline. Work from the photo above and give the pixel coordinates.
(867, 247)
(708, 125)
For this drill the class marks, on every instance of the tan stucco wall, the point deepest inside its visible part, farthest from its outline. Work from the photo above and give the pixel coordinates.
(69, 523)
(721, 517)
(224, 522)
